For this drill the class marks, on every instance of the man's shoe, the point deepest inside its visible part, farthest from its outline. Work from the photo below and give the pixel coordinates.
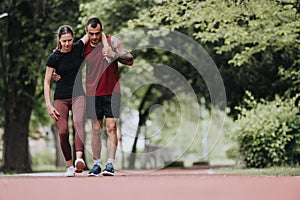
(109, 170)
(70, 172)
(95, 171)
(79, 165)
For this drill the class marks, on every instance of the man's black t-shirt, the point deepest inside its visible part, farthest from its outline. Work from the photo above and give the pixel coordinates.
(67, 65)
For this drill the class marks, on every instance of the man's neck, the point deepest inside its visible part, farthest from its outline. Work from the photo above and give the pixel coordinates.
(95, 45)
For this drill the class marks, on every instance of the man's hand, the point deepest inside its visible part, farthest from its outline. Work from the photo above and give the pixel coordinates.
(108, 52)
(56, 76)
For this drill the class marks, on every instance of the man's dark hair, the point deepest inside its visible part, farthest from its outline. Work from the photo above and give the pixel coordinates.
(94, 22)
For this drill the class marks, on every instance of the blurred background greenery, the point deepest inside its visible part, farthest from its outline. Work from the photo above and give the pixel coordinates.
(255, 45)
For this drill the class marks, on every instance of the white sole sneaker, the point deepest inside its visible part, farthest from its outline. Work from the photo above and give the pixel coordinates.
(92, 174)
(70, 172)
(106, 173)
(79, 165)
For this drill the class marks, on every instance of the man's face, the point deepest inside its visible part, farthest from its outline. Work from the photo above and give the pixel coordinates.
(94, 34)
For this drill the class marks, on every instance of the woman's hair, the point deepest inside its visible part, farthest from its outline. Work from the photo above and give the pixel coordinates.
(64, 29)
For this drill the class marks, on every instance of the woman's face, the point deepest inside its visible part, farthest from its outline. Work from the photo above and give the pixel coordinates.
(66, 41)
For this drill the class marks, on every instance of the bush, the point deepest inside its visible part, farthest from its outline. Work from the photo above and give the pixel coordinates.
(45, 157)
(267, 133)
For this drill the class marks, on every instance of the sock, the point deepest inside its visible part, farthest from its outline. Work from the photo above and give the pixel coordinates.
(110, 160)
(97, 162)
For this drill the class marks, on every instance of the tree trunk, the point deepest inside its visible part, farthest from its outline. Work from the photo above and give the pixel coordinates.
(26, 38)
(142, 119)
(144, 112)
(16, 127)
(18, 102)
(132, 157)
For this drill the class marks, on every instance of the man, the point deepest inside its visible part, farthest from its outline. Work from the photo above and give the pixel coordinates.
(103, 91)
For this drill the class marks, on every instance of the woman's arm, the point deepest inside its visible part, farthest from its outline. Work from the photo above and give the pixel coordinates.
(51, 110)
(85, 39)
(104, 40)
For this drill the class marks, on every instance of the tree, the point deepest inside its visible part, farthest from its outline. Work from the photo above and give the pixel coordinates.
(249, 40)
(26, 39)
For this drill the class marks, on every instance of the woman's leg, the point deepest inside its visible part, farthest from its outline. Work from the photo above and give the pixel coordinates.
(62, 106)
(78, 112)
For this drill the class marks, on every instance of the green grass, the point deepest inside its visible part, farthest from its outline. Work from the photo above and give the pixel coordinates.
(48, 168)
(273, 171)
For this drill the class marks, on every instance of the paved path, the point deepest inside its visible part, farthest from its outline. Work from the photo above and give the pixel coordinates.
(165, 184)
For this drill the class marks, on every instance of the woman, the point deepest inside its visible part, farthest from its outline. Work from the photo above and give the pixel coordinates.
(66, 60)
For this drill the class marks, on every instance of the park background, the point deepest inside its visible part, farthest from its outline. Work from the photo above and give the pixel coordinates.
(254, 44)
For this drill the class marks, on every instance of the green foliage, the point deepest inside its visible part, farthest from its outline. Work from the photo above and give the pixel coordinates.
(247, 28)
(249, 40)
(46, 157)
(293, 76)
(267, 133)
(27, 38)
(113, 14)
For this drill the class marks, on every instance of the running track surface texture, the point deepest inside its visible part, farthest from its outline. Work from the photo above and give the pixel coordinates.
(162, 184)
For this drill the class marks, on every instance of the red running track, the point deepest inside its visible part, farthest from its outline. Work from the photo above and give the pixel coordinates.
(164, 184)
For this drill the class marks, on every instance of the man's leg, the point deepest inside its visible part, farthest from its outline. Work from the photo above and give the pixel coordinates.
(112, 142)
(96, 144)
(96, 139)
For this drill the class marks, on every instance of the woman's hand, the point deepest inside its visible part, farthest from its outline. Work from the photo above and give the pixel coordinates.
(54, 114)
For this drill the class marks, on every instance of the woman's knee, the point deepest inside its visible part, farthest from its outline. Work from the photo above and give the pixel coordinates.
(63, 131)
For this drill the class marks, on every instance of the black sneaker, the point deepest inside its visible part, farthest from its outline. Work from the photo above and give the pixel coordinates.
(109, 170)
(95, 171)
